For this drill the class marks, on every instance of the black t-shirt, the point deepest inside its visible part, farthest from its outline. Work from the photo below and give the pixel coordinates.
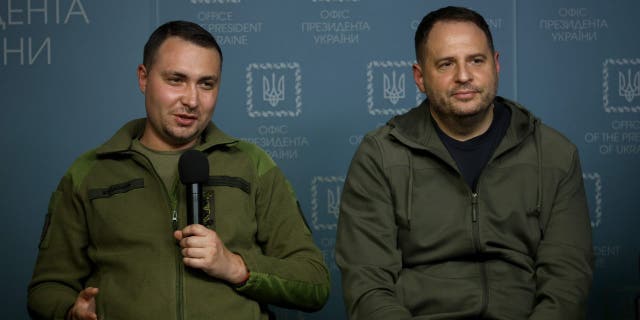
(472, 155)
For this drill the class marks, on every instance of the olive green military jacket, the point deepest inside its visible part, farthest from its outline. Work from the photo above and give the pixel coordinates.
(110, 225)
(415, 242)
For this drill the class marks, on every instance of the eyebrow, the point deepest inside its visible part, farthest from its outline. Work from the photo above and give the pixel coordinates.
(169, 73)
(208, 78)
(449, 58)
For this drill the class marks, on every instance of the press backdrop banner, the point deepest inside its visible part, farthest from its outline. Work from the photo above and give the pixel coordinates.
(305, 80)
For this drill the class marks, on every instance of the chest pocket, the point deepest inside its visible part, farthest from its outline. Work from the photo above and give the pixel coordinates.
(122, 213)
(124, 187)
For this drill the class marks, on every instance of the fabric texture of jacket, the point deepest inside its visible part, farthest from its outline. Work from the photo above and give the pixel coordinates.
(110, 225)
(415, 242)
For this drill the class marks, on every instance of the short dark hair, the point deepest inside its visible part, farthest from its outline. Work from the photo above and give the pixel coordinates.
(184, 30)
(449, 13)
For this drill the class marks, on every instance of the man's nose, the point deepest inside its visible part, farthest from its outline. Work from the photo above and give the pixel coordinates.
(463, 74)
(190, 96)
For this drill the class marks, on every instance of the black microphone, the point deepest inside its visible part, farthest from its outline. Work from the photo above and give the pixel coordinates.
(193, 168)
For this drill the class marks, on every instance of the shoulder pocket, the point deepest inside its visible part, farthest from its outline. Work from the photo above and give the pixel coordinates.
(209, 206)
(53, 203)
(227, 181)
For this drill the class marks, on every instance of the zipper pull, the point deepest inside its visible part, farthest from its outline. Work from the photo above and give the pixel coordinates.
(474, 207)
(174, 219)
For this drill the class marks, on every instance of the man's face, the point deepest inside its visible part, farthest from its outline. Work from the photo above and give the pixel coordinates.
(458, 72)
(180, 89)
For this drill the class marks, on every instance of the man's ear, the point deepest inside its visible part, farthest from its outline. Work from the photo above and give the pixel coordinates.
(417, 76)
(142, 77)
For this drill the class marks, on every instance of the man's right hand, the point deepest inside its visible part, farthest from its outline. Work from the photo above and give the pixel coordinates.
(85, 306)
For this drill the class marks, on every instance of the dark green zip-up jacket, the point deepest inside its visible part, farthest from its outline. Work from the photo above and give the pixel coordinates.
(110, 225)
(414, 241)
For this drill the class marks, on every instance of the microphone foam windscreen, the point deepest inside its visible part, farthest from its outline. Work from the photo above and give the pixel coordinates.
(193, 167)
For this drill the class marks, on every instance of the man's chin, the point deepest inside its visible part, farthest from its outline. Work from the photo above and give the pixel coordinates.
(464, 112)
(469, 108)
(183, 138)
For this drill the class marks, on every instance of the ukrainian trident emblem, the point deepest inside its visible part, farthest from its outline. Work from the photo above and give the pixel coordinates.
(273, 91)
(333, 201)
(628, 88)
(393, 87)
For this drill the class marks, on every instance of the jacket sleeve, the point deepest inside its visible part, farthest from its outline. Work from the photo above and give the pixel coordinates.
(62, 260)
(564, 262)
(290, 271)
(366, 245)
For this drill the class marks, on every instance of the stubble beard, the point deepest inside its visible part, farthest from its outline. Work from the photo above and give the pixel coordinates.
(181, 135)
(175, 135)
(456, 110)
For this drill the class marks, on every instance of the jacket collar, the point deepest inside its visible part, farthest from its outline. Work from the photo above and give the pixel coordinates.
(416, 130)
(122, 140)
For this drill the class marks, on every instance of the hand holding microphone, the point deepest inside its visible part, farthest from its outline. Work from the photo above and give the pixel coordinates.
(203, 249)
(201, 246)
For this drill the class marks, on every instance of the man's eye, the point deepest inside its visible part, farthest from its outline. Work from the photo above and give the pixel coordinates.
(207, 85)
(174, 80)
(445, 65)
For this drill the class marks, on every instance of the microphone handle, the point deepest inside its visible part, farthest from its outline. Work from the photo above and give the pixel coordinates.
(194, 203)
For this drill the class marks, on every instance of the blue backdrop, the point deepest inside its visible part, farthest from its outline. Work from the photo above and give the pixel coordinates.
(305, 79)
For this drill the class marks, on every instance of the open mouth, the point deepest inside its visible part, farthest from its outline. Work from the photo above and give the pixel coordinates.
(185, 119)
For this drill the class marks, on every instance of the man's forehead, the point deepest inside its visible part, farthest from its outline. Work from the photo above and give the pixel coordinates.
(460, 31)
(174, 47)
(175, 42)
(179, 56)
(468, 26)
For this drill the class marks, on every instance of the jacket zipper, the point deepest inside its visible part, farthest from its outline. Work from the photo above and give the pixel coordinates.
(179, 271)
(476, 245)
(173, 203)
(179, 291)
(179, 266)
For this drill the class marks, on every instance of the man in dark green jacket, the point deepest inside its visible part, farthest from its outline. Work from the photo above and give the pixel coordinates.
(116, 244)
(466, 207)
